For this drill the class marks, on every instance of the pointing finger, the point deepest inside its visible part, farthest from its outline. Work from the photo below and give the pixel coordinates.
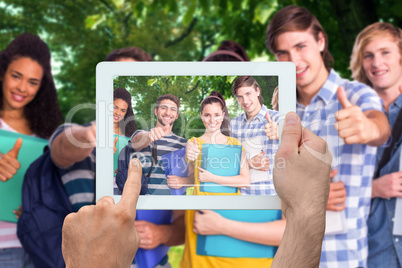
(132, 188)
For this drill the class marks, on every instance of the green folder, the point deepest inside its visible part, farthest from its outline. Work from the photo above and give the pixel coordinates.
(121, 142)
(10, 191)
(222, 160)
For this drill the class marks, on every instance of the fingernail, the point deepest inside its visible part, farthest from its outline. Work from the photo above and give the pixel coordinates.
(291, 118)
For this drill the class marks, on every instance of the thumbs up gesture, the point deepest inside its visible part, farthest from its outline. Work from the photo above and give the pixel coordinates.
(260, 162)
(271, 128)
(9, 164)
(352, 124)
(192, 150)
(157, 132)
(115, 145)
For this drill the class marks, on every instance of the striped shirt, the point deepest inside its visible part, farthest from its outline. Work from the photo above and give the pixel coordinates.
(8, 230)
(355, 164)
(157, 184)
(245, 130)
(79, 179)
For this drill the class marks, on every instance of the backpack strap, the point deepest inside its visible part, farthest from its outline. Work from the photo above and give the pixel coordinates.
(154, 153)
(386, 156)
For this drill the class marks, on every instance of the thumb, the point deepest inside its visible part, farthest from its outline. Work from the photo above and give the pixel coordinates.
(166, 127)
(115, 141)
(332, 173)
(343, 99)
(268, 117)
(400, 89)
(16, 149)
(195, 142)
(291, 135)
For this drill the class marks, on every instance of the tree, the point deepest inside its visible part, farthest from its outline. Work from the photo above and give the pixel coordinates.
(80, 33)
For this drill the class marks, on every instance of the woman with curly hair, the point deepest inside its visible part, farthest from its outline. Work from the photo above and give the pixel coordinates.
(123, 114)
(28, 105)
(123, 126)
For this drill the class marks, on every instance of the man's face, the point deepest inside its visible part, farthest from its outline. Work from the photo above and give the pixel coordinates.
(382, 62)
(303, 50)
(167, 112)
(247, 97)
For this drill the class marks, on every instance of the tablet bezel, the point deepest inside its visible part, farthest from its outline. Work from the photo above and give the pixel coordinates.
(106, 71)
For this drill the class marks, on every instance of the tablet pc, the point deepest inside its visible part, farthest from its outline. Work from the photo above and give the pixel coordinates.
(144, 79)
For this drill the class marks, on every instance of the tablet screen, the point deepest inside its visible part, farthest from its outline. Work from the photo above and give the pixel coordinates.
(225, 174)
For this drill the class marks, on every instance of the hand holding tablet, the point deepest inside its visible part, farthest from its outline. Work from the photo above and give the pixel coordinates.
(103, 235)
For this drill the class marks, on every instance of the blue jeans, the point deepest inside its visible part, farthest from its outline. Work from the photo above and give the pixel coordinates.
(14, 258)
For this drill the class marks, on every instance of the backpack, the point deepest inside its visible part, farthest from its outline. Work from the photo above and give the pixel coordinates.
(123, 164)
(45, 204)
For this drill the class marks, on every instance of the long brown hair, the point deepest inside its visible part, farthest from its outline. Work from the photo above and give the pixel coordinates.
(247, 81)
(216, 97)
(127, 125)
(294, 19)
(45, 102)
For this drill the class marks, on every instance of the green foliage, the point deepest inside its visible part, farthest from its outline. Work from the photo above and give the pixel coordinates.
(191, 90)
(80, 33)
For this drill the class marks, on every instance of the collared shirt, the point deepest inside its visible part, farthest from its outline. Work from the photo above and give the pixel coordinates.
(242, 129)
(385, 249)
(355, 164)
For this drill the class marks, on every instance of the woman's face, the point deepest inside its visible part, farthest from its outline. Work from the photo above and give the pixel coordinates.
(119, 110)
(212, 117)
(21, 82)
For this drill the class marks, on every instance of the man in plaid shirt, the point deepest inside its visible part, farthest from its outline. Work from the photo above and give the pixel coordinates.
(348, 115)
(257, 127)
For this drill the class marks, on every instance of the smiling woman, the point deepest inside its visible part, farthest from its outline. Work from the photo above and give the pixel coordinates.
(123, 114)
(27, 98)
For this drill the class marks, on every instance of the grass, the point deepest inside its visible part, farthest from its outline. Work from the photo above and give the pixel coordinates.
(175, 254)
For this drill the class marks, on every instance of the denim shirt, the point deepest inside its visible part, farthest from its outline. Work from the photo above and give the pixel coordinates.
(385, 249)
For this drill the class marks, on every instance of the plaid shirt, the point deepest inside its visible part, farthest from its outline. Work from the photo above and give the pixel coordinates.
(355, 164)
(242, 129)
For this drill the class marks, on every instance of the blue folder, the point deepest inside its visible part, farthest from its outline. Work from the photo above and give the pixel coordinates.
(222, 160)
(174, 163)
(149, 258)
(11, 190)
(121, 142)
(225, 246)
